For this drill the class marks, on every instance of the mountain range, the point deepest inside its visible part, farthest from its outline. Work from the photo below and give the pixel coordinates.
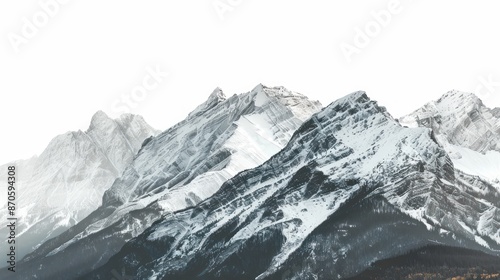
(269, 185)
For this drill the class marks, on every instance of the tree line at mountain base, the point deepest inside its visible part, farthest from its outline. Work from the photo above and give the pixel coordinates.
(436, 262)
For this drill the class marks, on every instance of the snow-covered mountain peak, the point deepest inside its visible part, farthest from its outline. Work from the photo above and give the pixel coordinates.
(353, 103)
(462, 119)
(98, 119)
(261, 96)
(259, 87)
(129, 118)
(459, 95)
(357, 100)
(458, 102)
(353, 99)
(275, 91)
(99, 115)
(103, 123)
(453, 103)
(217, 95)
(265, 97)
(215, 98)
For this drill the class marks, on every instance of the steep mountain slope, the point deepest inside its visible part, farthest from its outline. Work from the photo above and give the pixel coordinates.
(351, 187)
(66, 182)
(175, 170)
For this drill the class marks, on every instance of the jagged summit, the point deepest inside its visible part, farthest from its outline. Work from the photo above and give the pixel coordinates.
(128, 118)
(99, 119)
(217, 95)
(99, 115)
(356, 97)
(456, 103)
(351, 100)
(214, 99)
(260, 87)
(459, 95)
(265, 96)
(274, 91)
(261, 96)
(354, 103)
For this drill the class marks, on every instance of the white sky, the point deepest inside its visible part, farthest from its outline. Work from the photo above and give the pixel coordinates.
(90, 53)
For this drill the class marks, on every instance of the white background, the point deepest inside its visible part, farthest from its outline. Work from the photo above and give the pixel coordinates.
(86, 55)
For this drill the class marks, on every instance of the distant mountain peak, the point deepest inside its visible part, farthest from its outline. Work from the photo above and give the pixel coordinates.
(460, 98)
(100, 121)
(215, 98)
(218, 95)
(259, 87)
(355, 102)
(127, 117)
(274, 91)
(353, 98)
(99, 117)
(462, 119)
